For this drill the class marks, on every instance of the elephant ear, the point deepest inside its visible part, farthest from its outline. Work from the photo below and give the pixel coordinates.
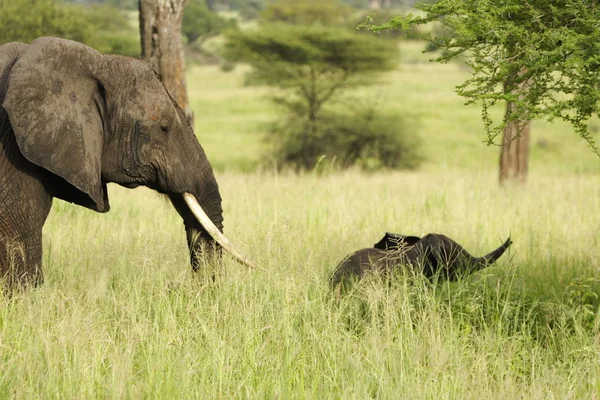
(55, 106)
(394, 241)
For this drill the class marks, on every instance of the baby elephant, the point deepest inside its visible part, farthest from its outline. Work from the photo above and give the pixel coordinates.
(432, 255)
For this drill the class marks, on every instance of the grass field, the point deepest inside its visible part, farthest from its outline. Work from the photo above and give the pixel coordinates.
(122, 316)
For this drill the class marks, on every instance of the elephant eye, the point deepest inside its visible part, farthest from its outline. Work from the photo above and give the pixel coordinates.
(164, 125)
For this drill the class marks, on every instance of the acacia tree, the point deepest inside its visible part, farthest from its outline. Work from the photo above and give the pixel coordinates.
(200, 22)
(314, 63)
(160, 30)
(307, 12)
(311, 66)
(540, 57)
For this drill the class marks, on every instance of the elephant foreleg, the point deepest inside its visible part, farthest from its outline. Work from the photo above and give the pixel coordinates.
(22, 261)
(21, 223)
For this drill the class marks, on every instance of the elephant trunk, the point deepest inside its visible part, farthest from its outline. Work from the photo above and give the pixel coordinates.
(482, 262)
(202, 215)
(213, 231)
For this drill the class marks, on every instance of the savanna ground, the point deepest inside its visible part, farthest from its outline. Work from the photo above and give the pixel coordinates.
(121, 314)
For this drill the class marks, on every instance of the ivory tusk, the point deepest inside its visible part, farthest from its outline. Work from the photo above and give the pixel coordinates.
(213, 231)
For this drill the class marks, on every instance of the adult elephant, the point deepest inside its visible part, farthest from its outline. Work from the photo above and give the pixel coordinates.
(73, 120)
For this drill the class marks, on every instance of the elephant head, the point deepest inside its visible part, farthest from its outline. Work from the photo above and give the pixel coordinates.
(90, 119)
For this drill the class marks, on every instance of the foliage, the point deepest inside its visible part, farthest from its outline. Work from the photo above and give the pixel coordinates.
(25, 20)
(122, 4)
(199, 22)
(248, 9)
(313, 65)
(306, 12)
(363, 138)
(551, 47)
(380, 17)
(113, 32)
(389, 4)
(312, 62)
(442, 34)
(101, 26)
(121, 43)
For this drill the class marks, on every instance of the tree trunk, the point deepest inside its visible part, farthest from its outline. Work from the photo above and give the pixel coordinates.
(514, 153)
(160, 30)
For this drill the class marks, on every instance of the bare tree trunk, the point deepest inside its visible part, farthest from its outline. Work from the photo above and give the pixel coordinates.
(514, 154)
(160, 30)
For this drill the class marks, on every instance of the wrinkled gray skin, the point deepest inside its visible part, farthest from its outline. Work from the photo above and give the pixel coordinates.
(433, 255)
(73, 120)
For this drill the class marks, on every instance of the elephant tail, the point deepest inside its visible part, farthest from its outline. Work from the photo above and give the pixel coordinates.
(491, 258)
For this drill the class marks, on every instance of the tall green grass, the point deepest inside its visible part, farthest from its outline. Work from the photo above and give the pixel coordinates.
(121, 315)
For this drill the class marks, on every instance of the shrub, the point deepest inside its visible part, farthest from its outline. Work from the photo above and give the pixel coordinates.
(366, 139)
(113, 31)
(103, 27)
(118, 43)
(199, 22)
(306, 12)
(248, 9)
(25, 20)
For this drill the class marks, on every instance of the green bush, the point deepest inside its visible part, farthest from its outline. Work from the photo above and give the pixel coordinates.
(365, 138)
(25, 20)
(199, 22)
(248, 9)
(103, 27)
(113, 31)
(306, 12)
(118, 43)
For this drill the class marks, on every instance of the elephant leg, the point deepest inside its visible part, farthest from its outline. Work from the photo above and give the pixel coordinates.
(22, 261)
(21, 223)
(33, 270)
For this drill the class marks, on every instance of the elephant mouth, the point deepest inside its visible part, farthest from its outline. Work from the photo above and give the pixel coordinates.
(213, 231)
(131, 185)
(160, 183)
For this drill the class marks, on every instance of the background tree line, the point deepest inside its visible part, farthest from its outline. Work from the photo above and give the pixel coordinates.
(310, 53)
(540, 58)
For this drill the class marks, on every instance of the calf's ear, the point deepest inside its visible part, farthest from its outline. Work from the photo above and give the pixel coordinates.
(394, 241)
